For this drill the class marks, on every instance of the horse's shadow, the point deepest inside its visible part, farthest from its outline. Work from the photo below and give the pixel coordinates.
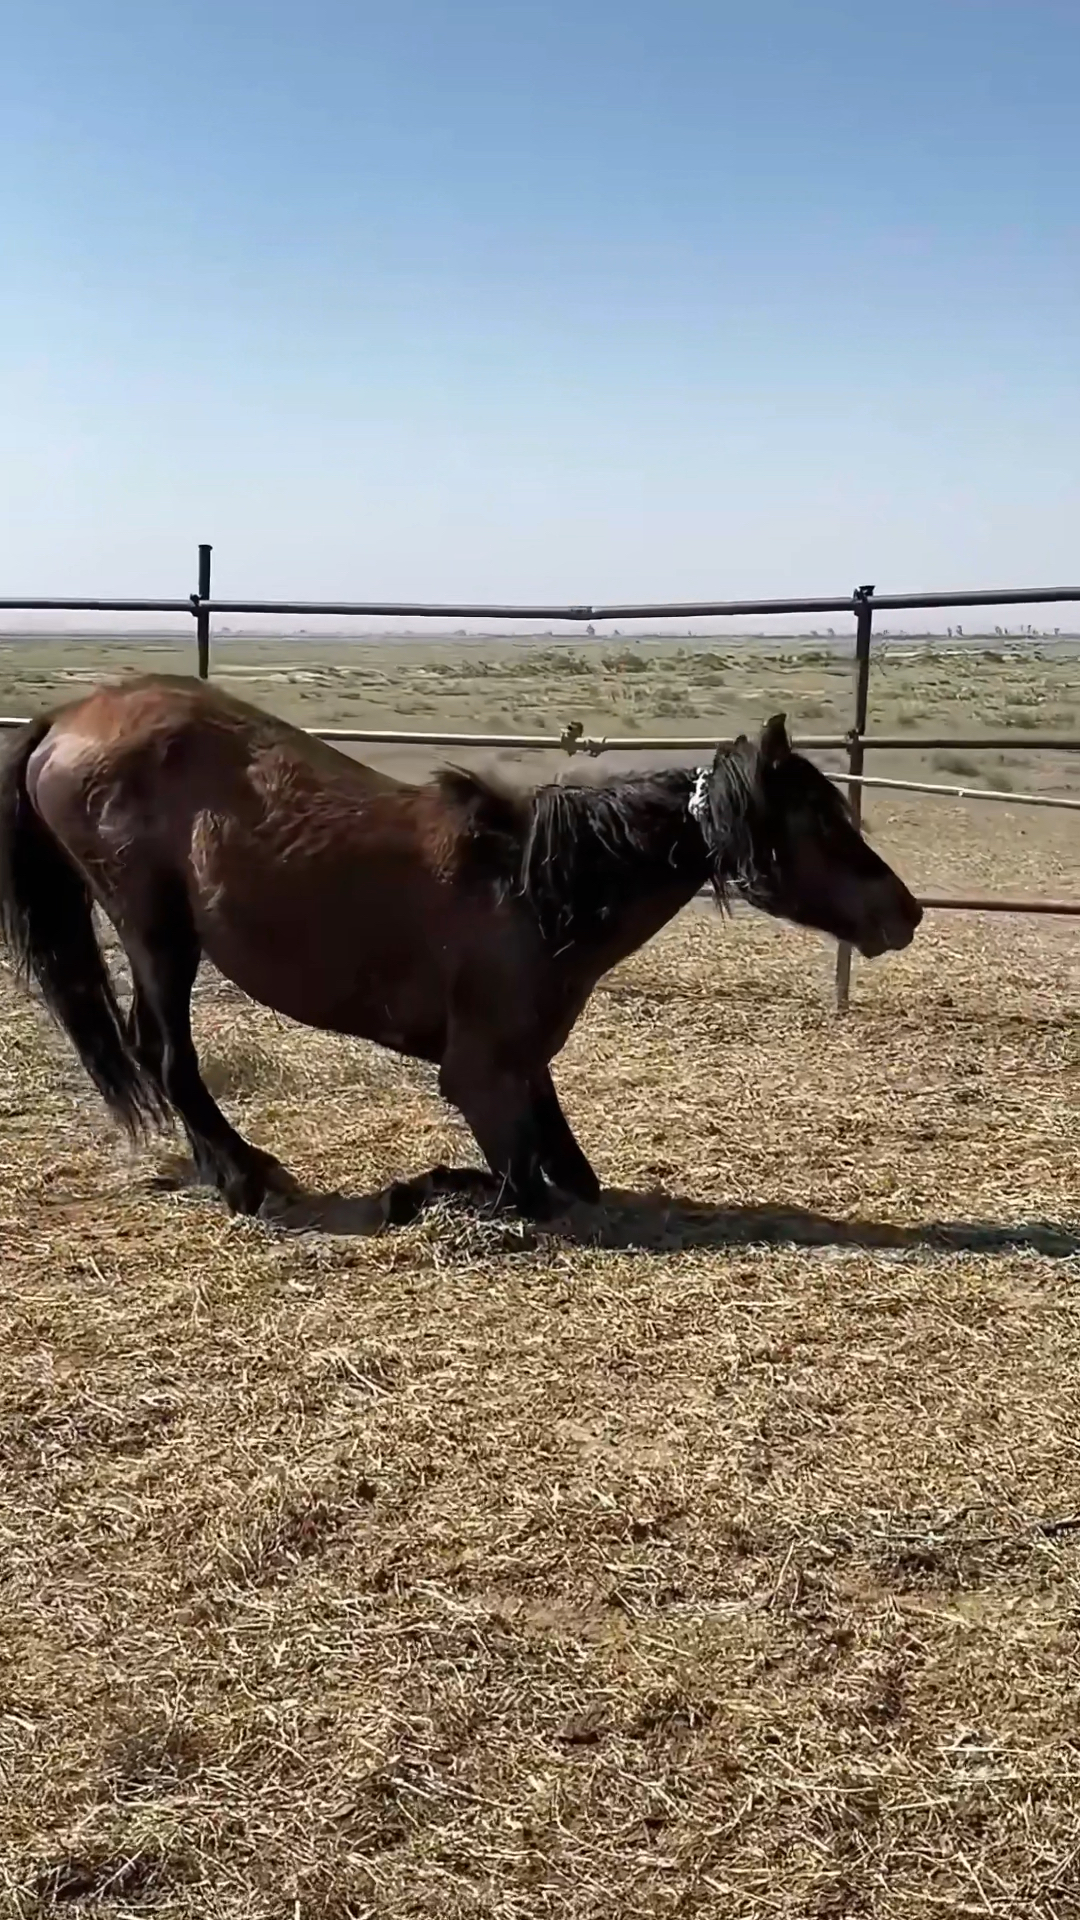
(660, 1222)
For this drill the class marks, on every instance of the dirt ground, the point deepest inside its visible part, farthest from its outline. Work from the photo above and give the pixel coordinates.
(714, 1553)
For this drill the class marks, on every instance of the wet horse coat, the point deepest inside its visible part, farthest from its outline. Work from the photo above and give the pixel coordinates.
(456, 921)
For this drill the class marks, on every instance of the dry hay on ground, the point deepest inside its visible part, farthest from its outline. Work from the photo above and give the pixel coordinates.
(717, 1559)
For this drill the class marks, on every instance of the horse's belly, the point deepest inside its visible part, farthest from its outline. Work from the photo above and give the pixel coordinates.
(400, 1006)
(348, 960)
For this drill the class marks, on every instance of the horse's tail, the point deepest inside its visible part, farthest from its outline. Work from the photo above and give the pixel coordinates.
(47, 925)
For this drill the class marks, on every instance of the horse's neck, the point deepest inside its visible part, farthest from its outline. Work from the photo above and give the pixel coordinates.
(639, 920)
(673, 869)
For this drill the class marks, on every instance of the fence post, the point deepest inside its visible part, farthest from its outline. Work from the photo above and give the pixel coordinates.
(864, 619)
(202, 612)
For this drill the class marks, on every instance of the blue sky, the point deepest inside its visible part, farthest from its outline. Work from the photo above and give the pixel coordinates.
(545, 299)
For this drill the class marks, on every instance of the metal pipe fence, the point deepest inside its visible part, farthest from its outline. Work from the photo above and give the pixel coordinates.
(863, 602)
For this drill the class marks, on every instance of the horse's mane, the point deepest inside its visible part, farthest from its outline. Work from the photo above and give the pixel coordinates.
(575, 853)
(588, 848)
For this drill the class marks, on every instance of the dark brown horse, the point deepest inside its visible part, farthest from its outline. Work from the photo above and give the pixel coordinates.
(454, 921)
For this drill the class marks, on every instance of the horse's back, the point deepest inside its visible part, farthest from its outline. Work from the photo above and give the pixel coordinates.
(322, 888)
(161, 772)
(169, 716)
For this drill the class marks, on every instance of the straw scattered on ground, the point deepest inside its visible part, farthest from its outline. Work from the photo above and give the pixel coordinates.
(713, 1555)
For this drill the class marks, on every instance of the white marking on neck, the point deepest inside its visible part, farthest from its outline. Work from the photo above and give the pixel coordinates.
(698, 804)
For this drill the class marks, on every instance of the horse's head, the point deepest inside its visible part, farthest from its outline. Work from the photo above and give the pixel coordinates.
(781, 836)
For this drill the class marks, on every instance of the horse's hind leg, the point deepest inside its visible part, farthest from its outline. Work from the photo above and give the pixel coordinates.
(145, 1036)
(560, 1155)
(164, 954)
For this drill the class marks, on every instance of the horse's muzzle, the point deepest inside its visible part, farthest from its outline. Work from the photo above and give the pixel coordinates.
(891, 935)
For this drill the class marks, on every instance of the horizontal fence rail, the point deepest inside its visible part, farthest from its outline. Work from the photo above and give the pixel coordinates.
(540, 742)
(570, 741)
(1000, 794)
(99, 606)
(862, 603)
(486, 610)
(994, 903)
(654, 610)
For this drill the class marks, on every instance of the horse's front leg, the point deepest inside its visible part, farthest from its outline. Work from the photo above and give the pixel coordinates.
(561, 1158)
(499, 1105)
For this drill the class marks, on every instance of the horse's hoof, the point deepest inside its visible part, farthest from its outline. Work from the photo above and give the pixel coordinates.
(245, 1194)
(404, 1200)
(279, 1182)
(537, 1206)
(587, 1193)
(255, 1186)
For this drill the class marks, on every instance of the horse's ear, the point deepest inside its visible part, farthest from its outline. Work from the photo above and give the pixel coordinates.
(723, 752)
(775, 746)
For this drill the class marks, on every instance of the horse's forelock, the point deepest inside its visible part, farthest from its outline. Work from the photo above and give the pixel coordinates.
(726, 812)
(740, 804)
